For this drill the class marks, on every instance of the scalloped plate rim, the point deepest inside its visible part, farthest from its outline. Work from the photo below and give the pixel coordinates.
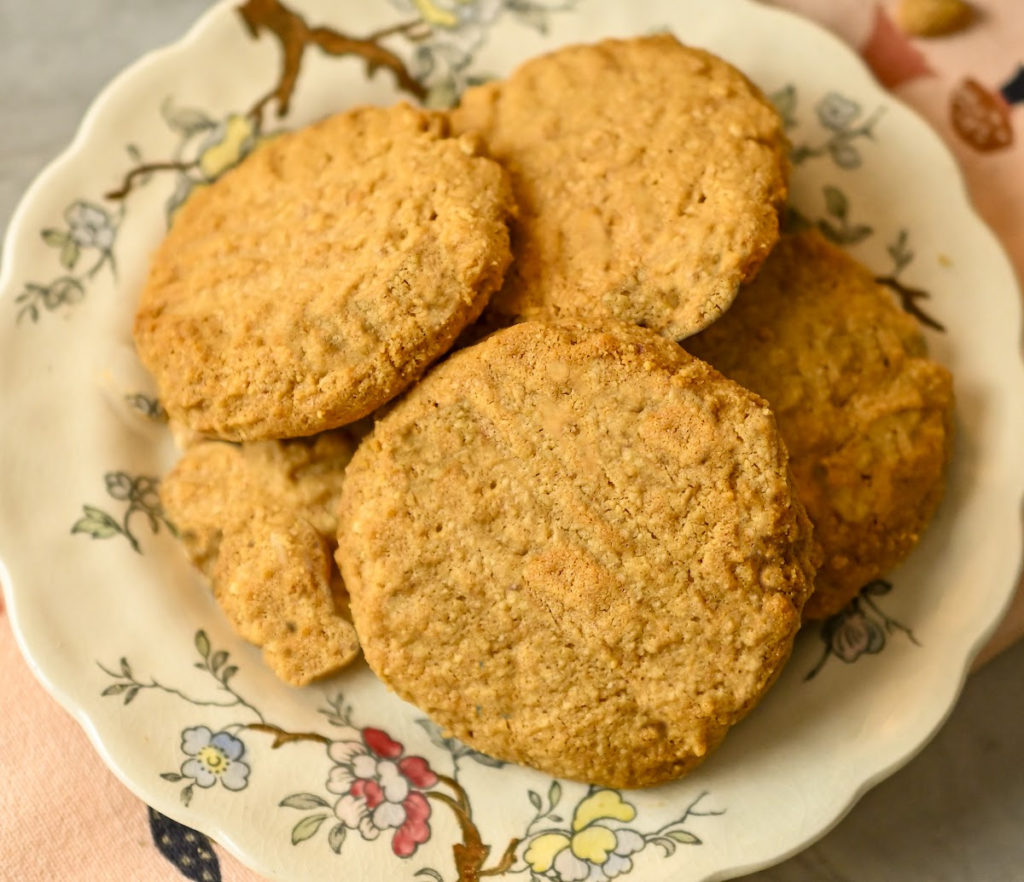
(81, 142)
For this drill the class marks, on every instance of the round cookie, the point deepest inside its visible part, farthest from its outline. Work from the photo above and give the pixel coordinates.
(649, 178)
(259, 521)
(576, 547)
(320, 277)
(867, 417)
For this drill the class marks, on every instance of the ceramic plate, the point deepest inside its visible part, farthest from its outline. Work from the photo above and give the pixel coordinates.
(343, 780)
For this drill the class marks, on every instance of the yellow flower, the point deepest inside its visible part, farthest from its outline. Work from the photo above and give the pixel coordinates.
(434, 14)
(231, 143)
(588, 842)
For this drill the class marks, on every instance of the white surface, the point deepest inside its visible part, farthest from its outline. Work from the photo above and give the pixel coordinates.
(31, 113)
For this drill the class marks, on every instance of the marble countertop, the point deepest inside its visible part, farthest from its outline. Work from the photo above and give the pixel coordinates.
(953, 814)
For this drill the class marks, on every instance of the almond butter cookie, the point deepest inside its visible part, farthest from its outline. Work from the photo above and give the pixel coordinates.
(259, 521)
(578, 548)
(321, 276)
(867, 417)
(649, 177)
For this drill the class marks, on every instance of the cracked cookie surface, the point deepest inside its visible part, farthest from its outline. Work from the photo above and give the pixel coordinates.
(867, 417)
(321, 276)
(259, 521)
(577, 547)
(649, 176)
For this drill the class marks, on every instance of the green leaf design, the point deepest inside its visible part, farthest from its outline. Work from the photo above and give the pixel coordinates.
(303, 801)
(116, 689)
(433, 874)
(228, 673)
(306, 828)
(857, 234)
(218, 659)
(534, 798)
(54, 238)
(96, 523)
(125, 667)
(685, 837)
(785, 103)
(69, 254)
(202, 644)
(31, 310)
(186, 121)
(336, 838)
(554, 794)
(836, 203)
(483, 758)
(173, 777)
(186, 794)
(130, 694)
(663, 842)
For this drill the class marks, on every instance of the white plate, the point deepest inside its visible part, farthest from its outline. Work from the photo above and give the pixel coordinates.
(120, 630)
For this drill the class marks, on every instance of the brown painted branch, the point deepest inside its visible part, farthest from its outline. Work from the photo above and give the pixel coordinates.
(460, 794)
(139, 171)
(471, 853)
(908, 300)
(507, 859)
(294, 35)
(415, 30)
(283, 737)
(374, 55)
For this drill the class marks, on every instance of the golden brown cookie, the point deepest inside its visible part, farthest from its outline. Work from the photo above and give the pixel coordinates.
(577, 547)
(867, 417)
(321, 276)
(649, 178)
(259, 521)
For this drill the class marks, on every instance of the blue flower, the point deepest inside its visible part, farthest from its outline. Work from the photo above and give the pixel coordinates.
(836, 112)
(214, 757)
(851, 634)
(89, 226)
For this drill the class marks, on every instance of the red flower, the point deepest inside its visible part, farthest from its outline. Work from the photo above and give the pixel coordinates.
(380, 789)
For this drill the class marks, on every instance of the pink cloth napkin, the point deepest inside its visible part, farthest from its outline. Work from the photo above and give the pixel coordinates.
(65, 816)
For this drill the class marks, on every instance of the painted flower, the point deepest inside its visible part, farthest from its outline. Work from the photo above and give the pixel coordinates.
(836, 112)
(457, 30)
(850, 634)
(591, 851)
(141, 491)
(452, 15)
(380, 789)
(214, 757)
(89, 226)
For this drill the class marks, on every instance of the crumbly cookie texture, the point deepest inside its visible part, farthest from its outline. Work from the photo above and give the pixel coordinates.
(649, 178)
(259, 521)
(321, 276)
(577, 547)
(867, 417)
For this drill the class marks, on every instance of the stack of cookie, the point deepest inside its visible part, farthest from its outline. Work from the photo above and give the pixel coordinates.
(576, 543)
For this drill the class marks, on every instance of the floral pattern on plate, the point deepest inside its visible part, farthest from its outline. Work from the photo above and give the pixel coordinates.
(191, 736)
(375, 788)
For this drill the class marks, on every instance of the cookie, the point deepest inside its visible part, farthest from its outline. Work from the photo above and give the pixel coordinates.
(321, 276)
(866, 416)
(259, 521)
(649, 178)
(576, 547)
